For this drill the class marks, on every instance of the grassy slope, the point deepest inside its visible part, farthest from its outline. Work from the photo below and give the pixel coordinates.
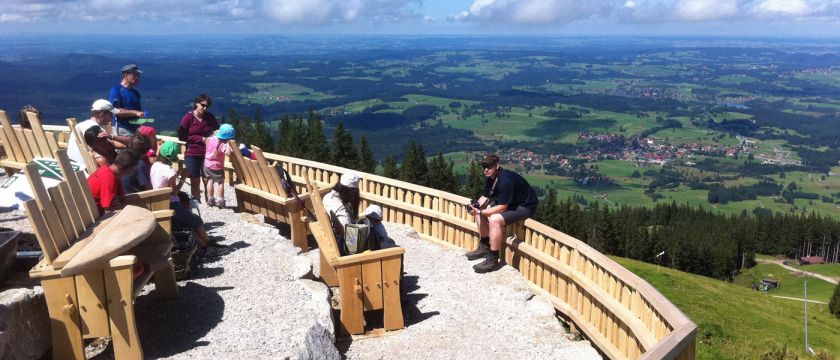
(736, 322)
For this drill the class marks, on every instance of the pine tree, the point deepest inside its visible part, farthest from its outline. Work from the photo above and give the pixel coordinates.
(390, 168)
(414, 167)
(548, 212)
(316, 145)
(343, 150)
(834, 304)
(441, 175)
(366, 161)
(474, 183)
(261, 133)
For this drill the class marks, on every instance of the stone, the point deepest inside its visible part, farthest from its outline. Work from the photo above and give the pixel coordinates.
(24, 324)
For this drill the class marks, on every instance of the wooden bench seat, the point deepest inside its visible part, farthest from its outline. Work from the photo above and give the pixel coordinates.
(260, 192)
(90, 296)
(366, 281)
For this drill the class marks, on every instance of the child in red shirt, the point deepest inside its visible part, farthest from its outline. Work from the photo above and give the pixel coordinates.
(105, 182)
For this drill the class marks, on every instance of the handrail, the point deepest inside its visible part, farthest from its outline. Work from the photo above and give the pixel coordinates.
(623, 315)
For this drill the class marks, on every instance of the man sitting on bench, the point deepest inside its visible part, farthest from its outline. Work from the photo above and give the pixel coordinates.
(507, 198)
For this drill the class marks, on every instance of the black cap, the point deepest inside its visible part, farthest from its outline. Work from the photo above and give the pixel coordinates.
(131, 68)
(490, 159)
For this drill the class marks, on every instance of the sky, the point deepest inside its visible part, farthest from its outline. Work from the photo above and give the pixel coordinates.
(738, 18)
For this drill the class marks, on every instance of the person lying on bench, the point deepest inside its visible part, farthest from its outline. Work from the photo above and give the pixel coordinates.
(507, 198)
(163, 175)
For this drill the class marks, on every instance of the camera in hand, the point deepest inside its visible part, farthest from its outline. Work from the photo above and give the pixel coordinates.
(474, 204)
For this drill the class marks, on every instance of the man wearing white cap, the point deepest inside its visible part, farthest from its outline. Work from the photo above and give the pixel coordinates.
(342, 203)
(100, 114)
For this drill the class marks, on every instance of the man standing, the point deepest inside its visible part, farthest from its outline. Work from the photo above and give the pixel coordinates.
(507, 198)
(126, 99)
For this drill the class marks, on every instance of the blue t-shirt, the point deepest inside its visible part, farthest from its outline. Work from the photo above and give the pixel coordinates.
(138, 180)
(124, 98)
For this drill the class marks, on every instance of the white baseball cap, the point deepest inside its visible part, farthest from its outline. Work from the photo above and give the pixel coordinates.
(104, 105)
(373, 212)
(349, 180)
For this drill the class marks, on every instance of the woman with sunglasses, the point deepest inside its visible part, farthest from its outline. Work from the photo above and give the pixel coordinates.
(196, 126)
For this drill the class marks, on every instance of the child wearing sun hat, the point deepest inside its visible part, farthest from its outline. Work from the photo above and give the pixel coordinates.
(214, 164)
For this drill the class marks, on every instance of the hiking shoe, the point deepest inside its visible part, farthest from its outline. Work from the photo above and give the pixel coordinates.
(489, 264)
(221, 203)
(481, 251)
(210, 252)
(211, 202)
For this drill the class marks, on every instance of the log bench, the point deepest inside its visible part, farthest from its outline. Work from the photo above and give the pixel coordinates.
(22, 145)
(260, 192)
(88, 267)
(366, 281)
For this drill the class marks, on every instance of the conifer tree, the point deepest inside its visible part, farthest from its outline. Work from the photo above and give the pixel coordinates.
(441, 175)
(316, 145)
(366, 161)
(834, 304)
(414, 167)
(390, 168)
(343, 150)
(261, 133)
(475, 182)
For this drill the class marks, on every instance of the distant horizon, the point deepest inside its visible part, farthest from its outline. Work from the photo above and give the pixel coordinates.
(441, 35)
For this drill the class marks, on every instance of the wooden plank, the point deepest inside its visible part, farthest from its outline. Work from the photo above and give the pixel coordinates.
(42, 232)
(79, 189)
(349, 282)
(321, 229)
(40, 136)
(10, 139)
(90, 287)
(372, 285)
(63, 218)
(87, 196)
(24, 145)
(62, 304)
(40, 193)
(75, 217)
(391, 278)
(34, 148)
(270, 174)
(119, 283)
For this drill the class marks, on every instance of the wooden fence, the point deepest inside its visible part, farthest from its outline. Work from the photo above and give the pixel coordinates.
(621, 314)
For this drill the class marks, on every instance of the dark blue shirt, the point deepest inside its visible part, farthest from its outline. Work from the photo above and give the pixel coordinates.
(511, 190)
(138, 180)
(124, 98)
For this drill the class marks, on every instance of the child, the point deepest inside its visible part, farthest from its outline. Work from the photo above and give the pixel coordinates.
(163, 175)
(105, 184)
(214, 161)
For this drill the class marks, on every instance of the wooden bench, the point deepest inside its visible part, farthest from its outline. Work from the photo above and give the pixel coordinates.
(260, 192)
(366, 281)
(95, 298)
(21, 145)
(90, 162)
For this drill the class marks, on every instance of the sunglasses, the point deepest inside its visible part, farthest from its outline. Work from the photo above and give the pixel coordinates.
(488, 166)
(203, 106)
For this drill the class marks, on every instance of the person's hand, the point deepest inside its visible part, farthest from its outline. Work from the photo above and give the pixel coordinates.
(473, 211)
(139, 114)
(103, 135)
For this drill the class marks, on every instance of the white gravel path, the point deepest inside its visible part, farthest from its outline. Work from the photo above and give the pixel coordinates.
(252, 304)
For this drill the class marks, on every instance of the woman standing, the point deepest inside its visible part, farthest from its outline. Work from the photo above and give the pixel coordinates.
(196, 126)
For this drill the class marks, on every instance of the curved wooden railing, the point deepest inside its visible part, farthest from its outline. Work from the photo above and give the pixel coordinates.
(621, 314)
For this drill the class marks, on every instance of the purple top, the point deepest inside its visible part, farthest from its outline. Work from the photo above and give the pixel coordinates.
(193, 131)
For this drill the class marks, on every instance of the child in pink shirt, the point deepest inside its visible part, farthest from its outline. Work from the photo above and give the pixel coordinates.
(214, 164)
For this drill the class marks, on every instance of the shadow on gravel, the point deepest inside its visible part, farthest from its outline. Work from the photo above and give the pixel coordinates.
(212, 225)
(410, 298)
(206, 273)
(170, 327)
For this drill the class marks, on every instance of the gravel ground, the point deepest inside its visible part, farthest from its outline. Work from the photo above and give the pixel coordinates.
(256, 302)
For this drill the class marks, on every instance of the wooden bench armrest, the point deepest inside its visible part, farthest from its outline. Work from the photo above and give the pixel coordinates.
(148, 194)
(265, 194)
(368, 257)
(163, 214)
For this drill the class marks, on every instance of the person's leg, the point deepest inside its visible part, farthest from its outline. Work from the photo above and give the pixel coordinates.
(497, 232)
(483, 248)
(220, 193)
(208, 190)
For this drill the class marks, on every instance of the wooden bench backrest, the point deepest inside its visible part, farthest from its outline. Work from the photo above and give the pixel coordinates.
(24, 144)
(256, 173)
(321, 229)
(61, 214)
(90, 163)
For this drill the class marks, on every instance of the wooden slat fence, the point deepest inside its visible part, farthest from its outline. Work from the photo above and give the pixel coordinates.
(621, 314)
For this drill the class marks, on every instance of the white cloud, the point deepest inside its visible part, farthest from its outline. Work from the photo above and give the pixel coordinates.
(782, 8)
(705, 10)
(532, 12)
(306, 12)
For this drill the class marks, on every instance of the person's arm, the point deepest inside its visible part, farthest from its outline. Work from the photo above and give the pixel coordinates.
(109, 197)
(181, 180)
(184, 128)
(99, 159)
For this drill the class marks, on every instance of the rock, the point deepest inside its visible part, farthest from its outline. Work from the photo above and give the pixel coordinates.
(301, 268)
(24, 323)
(320, 294)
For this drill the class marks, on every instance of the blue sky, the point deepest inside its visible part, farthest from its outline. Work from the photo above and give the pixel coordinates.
(776, 18)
